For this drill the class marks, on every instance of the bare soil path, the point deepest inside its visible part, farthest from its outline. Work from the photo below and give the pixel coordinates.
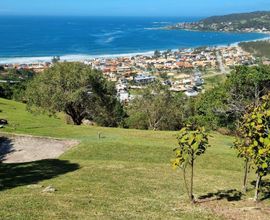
(21, 148)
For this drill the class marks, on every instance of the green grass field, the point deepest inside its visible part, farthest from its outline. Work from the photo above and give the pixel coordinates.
(125, 175)
(213, 80)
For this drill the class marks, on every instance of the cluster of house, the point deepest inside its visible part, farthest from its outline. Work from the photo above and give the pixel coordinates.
(220, 27)
(181, 70)
(37, 67)
(233, 56)
(170, 62)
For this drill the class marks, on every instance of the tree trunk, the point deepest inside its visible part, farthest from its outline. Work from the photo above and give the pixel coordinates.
(258, 185)
(245, 176)
(191, 181)
(185, 182)
(77, 116)
(77, 120)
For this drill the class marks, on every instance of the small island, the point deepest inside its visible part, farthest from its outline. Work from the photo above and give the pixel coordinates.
(242, 23)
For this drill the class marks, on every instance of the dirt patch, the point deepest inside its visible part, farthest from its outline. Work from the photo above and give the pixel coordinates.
(240, 210)
(20, 149)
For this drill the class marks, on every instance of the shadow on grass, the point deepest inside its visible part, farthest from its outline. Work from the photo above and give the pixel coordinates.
(6, 147)
(265, 189)
(229, 195)
(20, 174)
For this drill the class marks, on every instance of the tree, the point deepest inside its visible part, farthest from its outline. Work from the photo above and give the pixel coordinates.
(209, 109)
(254, 142)
(156, 109)
(245, 86)
(226, 103)
(75, 89)
(6, 90)
(157, 54)
(56, 59)
(193, 142)
(242, 147)
(15, 90)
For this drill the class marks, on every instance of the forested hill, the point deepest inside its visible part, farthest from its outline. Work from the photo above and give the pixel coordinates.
(242, 22)
(262, 17)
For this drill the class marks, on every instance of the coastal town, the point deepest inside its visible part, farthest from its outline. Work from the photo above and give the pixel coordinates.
(217, 27)
(113, 109)
(182, 70)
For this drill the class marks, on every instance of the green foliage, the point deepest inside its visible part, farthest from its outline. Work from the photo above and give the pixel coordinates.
(223, 105)
(220, 107)
(16, 91)
(192, 142)
(249, 83)
(157, 54)
(254, 141)
(77, 90)
(18, 75)
(156, 109)
(55, 59)
(208, 107)
(6, 90)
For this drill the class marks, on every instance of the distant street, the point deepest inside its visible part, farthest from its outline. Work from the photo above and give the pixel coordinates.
(220, 63)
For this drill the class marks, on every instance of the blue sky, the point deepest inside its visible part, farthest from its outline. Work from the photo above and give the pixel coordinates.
(130, 7)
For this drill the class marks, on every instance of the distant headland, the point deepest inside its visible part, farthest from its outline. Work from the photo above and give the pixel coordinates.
(258, 22)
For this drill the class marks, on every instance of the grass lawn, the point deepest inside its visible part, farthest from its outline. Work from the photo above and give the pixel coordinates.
(213, 80)
(124, 175)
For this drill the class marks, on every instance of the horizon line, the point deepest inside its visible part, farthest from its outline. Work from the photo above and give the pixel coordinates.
(135, 16)
(131, 16)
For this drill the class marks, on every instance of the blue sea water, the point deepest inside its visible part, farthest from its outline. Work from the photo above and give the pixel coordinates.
(34, 38)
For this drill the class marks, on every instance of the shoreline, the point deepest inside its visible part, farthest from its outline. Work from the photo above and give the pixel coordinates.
(212, 31)
(85, 57)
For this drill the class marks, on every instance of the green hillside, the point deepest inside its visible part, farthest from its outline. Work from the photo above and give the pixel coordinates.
(258, 21)
(124, 175)
(261, 16)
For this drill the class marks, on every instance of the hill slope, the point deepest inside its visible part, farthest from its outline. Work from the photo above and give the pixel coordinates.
(124, 175)
(262, 16)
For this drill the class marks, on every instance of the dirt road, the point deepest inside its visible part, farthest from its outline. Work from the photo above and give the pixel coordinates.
(19, 149)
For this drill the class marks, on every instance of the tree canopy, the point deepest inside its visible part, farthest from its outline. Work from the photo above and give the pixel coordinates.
(156, 109)
(77, 90)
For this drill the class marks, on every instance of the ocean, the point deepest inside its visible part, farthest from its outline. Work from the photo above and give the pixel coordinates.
(29, 39)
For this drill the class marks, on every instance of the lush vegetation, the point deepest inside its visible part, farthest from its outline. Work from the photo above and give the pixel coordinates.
(224, 105)
(156, 109)
(219, 107)
(14, 83)
(125, 174)
(260, 49)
